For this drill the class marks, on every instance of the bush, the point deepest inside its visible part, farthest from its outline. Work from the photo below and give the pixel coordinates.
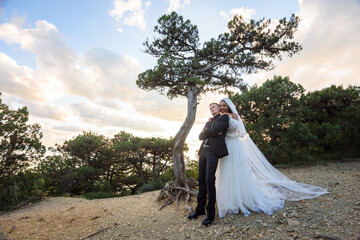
(20, 188)
(151, 186)
(99, 195)
(192, 169)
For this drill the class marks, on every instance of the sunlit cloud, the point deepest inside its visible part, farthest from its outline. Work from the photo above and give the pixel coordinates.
(66, 128)
(130, 12)
(101, 116)
(246, 13)
(177, 4)
(331, 53)
(99, 73)
(47, 110)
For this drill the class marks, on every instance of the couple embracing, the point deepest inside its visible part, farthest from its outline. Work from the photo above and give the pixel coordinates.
(235, 175)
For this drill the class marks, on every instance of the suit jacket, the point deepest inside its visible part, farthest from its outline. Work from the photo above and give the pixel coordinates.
(216, 141)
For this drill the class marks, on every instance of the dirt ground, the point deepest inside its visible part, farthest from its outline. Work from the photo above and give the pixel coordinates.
(331, 216)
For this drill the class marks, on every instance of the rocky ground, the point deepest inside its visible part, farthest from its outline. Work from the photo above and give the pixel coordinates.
(332, 216)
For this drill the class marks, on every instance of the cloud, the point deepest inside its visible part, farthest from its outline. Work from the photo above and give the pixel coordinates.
(177, 4)
(246, 13)
(99, 73)
(101, 116)
(130, 12)
(38, 109)
(48, 111)
(52, 56)
(17, 80)
(102, 76)
(331, 53)
(113, 75)
(68, 128)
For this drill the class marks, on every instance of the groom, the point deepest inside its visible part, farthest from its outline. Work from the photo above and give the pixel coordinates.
(212, 148)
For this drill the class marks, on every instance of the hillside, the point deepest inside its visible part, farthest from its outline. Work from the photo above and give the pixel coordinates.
(136, 217)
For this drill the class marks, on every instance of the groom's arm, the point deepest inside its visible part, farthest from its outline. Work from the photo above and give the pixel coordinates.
(221, 125)
(207, 125)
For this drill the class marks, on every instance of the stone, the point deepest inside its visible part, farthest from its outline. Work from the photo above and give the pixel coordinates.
(292, 222)
(293, 214)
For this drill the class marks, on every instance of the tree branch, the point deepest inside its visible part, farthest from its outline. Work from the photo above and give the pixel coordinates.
(219, 62)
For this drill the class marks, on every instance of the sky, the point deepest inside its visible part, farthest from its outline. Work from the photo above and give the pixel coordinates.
(74, 64)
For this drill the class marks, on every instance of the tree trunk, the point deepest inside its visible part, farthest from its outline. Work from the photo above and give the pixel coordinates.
(153, 167)
(179, 139)
(141, 170)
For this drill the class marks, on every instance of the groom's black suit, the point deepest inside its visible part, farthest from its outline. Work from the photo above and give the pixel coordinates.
(212, 148)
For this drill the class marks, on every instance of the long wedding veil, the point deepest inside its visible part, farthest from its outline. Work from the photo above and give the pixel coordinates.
(265, 173)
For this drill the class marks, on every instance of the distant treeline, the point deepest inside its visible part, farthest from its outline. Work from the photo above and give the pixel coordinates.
(289, 126)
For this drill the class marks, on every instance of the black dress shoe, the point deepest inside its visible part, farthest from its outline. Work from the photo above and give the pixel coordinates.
(195, 214)
(207, 221)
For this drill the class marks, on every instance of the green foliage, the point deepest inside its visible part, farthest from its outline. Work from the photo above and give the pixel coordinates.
(20, 146)
(89, 148)
(333, 115)
(62, 175)
(151, 186)
(295, 144)
(99, 195)
(290, 127)
(93, 163)
(192, 169)
(19, 188)
(269, 112)
(20, 142)
(141, 159)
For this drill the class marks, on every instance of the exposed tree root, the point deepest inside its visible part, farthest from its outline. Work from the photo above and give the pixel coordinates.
(172, 193)
(325, 236)
(99, 231)
(22, 204)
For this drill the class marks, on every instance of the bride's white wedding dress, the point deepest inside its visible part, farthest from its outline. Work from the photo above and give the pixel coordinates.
(246, 181)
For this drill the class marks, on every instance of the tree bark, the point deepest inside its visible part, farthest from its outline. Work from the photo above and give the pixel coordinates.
(141, 170)
(153, 167)
(179, 139)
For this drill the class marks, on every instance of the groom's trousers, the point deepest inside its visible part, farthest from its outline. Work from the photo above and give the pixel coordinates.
(207, 167)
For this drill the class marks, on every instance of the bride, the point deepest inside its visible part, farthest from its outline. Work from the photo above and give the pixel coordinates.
(246, 181)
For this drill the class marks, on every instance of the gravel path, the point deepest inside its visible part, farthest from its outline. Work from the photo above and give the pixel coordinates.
(335, 215)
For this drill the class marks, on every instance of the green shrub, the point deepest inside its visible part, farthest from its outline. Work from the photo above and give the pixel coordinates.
(20, 188)
(192, 169)
(124, 192)
(151, 186)
(98, 195)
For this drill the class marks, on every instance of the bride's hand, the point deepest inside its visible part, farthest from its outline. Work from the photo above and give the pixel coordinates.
(234, 116)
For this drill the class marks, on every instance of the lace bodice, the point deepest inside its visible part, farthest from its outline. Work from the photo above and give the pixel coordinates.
(236, 128)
